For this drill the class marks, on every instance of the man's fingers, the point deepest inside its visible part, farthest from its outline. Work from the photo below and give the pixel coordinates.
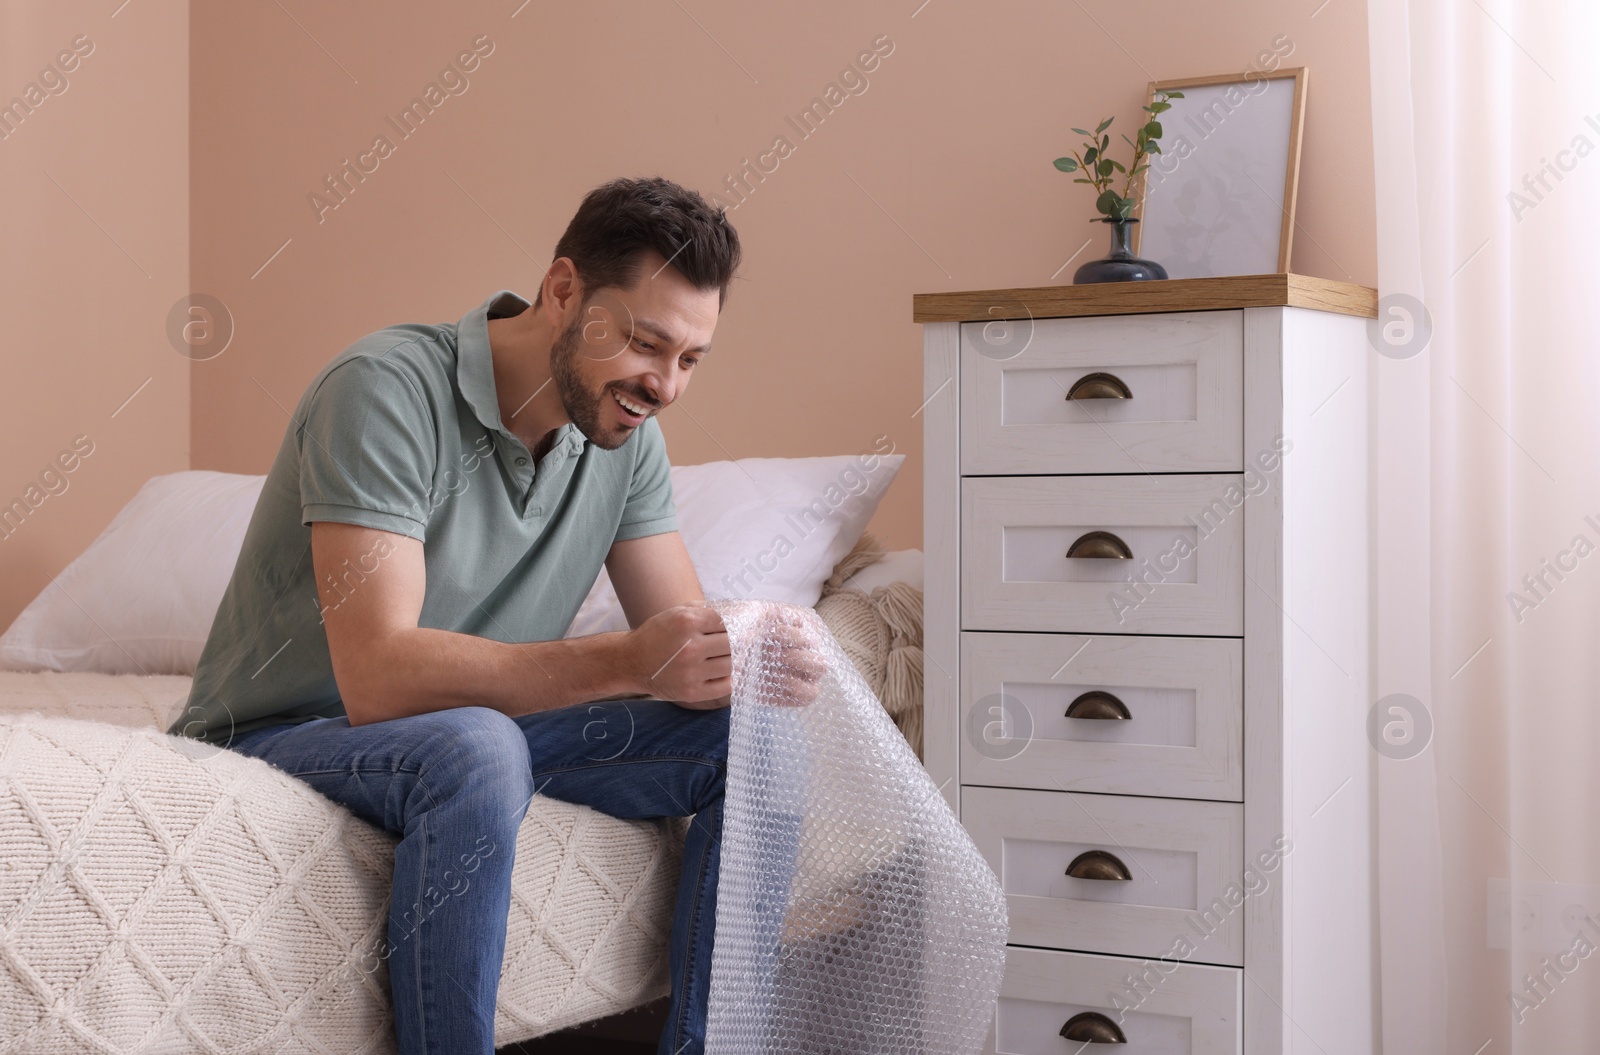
(804, 656)
(698, 616)
(707, 618)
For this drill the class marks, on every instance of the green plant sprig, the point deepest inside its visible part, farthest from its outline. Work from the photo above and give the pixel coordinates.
(1099, 171)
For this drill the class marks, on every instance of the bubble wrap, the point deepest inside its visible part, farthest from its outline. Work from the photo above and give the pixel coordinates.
(854, 914)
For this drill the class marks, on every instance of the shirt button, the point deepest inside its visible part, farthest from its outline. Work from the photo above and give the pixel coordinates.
(522, 461)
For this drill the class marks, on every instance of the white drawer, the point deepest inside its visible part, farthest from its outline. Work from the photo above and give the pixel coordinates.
(1184, 697)
(1184, 861)
(1185, 535)
(1161, 1008)
(1184, 373)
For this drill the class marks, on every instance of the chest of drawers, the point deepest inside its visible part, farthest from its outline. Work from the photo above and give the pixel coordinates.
(1146, 654)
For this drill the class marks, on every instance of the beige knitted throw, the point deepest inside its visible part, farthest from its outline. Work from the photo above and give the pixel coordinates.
(881, 632)
(161, 896)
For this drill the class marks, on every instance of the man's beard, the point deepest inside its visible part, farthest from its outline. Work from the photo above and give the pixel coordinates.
(584, 407)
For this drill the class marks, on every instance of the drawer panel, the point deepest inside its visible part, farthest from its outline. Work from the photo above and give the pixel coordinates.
(1163, 1008)
(1184, 698)
(1184, 860)
(1185, 535)
(1184, 373)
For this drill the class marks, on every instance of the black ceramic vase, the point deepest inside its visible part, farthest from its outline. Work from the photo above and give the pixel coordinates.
(1120, 265)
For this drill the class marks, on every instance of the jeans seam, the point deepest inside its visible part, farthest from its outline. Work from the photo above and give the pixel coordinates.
(415, 771)
(712, 762)
(691, 942)
(416, 939)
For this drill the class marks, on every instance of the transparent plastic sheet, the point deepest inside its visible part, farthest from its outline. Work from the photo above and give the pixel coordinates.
(854, 914)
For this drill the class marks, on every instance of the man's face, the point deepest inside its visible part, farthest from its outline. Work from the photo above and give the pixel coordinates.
(638, 345)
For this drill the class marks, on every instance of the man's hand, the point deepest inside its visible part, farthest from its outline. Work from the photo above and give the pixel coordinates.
(681, 654)
(796, 659)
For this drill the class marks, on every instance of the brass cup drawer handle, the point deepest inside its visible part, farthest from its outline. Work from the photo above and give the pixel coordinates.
(1091, 1027)
(1098, 864)
(1099, 385)
(1100, 545)
(1099, 705)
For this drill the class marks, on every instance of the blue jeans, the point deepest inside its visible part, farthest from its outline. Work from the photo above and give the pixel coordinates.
(454, 784)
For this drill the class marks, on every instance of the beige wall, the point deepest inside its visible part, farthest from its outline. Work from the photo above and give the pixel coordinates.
(936, 177)
(95, 252)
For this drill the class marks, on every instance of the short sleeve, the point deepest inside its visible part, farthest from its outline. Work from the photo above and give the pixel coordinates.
(368, 448)
(649, 510)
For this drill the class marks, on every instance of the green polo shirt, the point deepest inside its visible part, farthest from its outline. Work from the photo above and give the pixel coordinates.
(402, 432)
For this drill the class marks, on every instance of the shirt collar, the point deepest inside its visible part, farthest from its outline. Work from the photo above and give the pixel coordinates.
(475, 364)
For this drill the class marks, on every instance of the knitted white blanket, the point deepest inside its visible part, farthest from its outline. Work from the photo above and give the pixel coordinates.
(160, 896)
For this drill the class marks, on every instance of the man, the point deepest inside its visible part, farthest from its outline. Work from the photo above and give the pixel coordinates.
(443, 500)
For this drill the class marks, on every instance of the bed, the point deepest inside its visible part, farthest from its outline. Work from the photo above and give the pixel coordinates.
(161, 895)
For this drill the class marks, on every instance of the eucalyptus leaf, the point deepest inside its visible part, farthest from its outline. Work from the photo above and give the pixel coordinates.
(1095, 168)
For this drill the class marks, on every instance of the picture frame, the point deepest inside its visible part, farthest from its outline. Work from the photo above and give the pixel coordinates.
(1220, 197)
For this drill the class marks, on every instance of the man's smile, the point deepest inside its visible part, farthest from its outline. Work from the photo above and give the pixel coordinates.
(631, 412)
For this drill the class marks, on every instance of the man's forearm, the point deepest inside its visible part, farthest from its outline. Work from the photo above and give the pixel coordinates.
(417, 670)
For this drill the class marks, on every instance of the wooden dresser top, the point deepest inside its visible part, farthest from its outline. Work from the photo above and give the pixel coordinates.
(1131, 298)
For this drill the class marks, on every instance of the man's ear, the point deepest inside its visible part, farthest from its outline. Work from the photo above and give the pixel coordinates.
(561, 291)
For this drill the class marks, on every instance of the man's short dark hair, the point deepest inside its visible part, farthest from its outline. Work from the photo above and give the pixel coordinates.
(620, 220)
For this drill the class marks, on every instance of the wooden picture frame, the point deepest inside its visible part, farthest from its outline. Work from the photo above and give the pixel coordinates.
(1193, 209)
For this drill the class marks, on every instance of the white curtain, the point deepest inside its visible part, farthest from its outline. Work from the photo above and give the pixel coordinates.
(1486, 121)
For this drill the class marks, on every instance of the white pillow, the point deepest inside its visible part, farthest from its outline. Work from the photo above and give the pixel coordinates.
(772, 528)
(141, 598)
